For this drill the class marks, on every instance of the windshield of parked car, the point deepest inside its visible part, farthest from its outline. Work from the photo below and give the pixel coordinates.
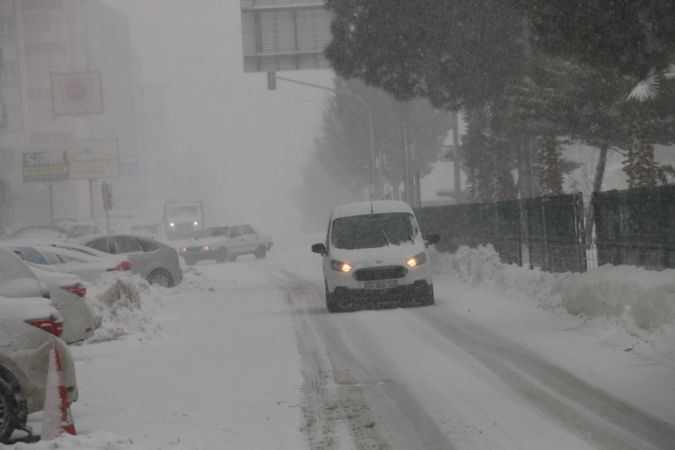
(16, 280)
(31, 255)
(372, 230)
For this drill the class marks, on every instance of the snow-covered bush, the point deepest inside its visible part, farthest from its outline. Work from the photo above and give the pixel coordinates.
(125, 305)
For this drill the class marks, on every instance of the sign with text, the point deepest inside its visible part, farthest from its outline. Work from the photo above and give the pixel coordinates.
(77, 93)
(284, 34)
(45, 166)
(97, 158)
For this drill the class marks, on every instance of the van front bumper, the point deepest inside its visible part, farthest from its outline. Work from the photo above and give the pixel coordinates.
(421, 292)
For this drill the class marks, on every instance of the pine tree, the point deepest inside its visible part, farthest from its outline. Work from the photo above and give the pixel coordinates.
(640, 166)
(550, 172)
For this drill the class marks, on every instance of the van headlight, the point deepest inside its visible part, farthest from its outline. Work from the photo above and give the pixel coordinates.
(416, 260)
(340, 266)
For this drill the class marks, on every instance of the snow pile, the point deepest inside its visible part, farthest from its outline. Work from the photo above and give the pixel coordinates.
(126, 305)
(99, 440)
(644, 297)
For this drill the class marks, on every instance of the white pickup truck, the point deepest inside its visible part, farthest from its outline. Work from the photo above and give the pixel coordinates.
(225, 244)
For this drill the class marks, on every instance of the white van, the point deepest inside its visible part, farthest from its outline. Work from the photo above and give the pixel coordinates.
(375, 256)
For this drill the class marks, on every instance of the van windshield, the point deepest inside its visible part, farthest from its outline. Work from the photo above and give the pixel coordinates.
(372, 230)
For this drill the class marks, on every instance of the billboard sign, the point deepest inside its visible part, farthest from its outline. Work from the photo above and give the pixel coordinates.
(77, 93)
(45, 166)
(284, 34)
(93, 159)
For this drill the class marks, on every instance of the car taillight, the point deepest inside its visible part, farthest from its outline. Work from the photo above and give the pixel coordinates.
(76, 289)
(124, 265)
(49, 325)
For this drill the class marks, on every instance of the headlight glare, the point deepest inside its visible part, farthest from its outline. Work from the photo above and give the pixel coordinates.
(340, 266)
(416, 260)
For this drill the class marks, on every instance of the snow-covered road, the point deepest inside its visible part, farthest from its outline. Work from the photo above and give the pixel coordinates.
(244, 355)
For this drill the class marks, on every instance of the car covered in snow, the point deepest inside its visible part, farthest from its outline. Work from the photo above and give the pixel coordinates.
(225, 243)
(29, 329)
(375, 256)
(87, 263)
(154, 261)
(67, 293)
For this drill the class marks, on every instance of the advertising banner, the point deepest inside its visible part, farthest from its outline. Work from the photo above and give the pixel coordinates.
(45, 166)
(97, 158)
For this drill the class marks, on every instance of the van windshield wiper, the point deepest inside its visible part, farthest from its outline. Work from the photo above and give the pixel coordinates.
(386, 238)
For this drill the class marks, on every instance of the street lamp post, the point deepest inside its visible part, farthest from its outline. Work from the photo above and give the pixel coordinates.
(271, 76)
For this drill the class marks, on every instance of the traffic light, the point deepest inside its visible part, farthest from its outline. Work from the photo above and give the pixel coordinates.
(107, 195)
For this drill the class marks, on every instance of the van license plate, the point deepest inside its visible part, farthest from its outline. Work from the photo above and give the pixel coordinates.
(380, 284)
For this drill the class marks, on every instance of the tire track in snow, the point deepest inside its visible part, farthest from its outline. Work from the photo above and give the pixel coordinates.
(338, 387)
(589, 412)
(332, 398)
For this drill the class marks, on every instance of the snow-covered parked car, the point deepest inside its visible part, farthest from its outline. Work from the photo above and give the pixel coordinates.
(87, 263)
(374, 256)
(69, 296)
(225, 244)
(29, 329)
(66, 291)
(156, 262)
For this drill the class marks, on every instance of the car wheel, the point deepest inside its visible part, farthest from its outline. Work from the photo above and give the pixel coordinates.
(160, 277)
(331, 304)
(260, 252)
(221, 256)
(9, 412)
(428, 298)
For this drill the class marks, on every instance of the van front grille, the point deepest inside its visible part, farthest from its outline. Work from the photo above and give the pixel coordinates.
(380, 273)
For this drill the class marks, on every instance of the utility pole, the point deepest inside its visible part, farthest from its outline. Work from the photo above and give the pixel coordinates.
(454, 117)
(271, 85)
(406, 153)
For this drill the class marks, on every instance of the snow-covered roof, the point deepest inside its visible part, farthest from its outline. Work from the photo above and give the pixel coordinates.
(374, 207)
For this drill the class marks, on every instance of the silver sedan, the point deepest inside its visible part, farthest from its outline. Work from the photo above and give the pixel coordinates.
(153, 260)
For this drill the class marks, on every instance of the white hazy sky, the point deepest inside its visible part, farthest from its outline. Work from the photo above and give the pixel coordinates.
(240, 148)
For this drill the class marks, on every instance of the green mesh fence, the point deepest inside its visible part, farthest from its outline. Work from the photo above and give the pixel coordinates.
(555, 233)
(551, 228)
(636, 227)
(474, 224)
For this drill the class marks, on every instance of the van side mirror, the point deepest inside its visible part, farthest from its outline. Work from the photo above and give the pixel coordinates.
(431, 239)
(319, 248)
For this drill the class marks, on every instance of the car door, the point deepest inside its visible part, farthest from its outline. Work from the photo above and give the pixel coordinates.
(251, 239)
(129, 246)
(237, 242)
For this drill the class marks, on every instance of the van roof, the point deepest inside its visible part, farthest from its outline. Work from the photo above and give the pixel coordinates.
(374, 207)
